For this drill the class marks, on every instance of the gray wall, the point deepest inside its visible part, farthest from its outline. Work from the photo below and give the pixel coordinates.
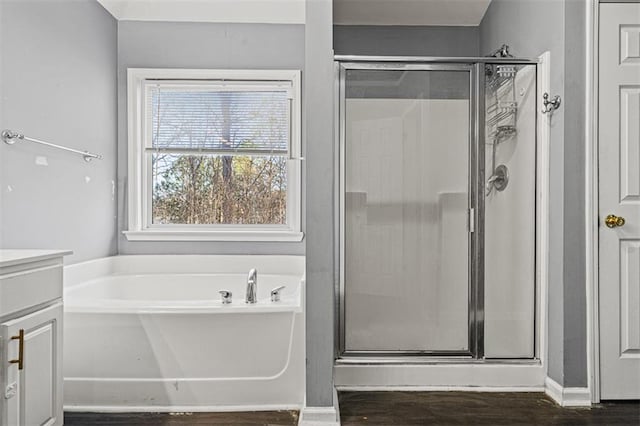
(531, 27)
(574, 274)
(58, 83)
(405, 40)
(199, 45)
(320, 256)
(319, 144)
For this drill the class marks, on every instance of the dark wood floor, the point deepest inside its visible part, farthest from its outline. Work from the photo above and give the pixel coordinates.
(402, 409)
(474, 408)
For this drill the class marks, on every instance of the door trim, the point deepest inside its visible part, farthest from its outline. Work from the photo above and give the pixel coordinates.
(592, 243)
(543, 140)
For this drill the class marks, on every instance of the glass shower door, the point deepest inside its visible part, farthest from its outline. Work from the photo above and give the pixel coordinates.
(405, 177)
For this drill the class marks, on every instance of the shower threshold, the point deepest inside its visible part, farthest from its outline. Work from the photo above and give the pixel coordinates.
(429, 373)
(432, 360)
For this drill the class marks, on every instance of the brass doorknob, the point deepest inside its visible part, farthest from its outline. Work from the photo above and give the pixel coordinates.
(613, 221)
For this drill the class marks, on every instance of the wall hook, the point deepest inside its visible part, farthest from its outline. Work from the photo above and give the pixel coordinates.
(550, 105)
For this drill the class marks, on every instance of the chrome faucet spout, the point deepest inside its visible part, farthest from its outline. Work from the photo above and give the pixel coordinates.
(252, 286)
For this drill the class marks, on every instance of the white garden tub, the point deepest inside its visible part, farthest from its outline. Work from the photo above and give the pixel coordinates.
(149, 333)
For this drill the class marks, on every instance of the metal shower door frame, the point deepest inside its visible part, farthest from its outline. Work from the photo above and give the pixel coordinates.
(475, 205)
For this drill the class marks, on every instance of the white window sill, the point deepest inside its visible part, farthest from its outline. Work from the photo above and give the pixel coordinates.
(174, 235)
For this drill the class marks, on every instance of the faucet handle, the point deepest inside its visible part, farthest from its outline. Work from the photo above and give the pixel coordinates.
(226, 296)
(275, 293)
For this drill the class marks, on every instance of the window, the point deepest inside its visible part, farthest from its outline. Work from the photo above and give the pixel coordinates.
(214, 155)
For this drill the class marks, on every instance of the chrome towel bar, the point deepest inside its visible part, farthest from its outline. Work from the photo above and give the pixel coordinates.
(9, 137)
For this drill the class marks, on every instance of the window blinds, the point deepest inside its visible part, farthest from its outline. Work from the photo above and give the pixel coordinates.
(241, 121)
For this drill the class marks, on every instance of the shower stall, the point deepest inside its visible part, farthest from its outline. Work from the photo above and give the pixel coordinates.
(437, 207)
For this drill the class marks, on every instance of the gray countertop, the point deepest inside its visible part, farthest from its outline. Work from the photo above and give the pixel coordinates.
(10, 257)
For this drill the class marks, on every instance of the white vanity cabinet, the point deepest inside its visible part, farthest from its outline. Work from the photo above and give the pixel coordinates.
(31, 337)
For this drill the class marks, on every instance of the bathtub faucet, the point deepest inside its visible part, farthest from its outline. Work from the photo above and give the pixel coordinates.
(252, 286)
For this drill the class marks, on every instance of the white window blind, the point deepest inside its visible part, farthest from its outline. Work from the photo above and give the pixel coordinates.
(236, 120)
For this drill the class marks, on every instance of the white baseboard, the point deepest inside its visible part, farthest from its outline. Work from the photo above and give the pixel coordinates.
(321, 416)
(177, 408)
(318, 416)
(567, 397)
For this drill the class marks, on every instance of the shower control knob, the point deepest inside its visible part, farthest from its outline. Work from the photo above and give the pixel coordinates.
(613, 221)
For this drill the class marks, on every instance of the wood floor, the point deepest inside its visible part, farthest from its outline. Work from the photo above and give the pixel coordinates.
(475, 408)
(402, 409)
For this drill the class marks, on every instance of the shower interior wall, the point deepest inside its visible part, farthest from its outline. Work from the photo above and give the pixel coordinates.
(510, 231)
(406, 190)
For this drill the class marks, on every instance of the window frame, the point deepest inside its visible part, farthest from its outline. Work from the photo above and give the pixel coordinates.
(140, 226)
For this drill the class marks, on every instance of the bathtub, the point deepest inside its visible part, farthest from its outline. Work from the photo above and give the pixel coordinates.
(150, 333)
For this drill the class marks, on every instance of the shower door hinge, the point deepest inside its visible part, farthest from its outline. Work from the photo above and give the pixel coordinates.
(472, 220)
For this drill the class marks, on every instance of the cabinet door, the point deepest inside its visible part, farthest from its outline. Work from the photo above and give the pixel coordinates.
(33, 393)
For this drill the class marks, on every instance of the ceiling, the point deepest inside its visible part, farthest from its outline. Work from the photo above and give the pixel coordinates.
(409, 12)
(346, 12)
(249, 11)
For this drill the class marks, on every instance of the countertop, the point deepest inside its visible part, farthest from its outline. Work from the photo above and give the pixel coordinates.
(10, 257)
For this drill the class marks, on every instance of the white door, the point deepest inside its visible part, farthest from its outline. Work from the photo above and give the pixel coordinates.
(33, 384)
(619, 188)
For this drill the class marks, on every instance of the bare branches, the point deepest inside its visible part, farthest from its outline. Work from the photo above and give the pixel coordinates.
(195, 190)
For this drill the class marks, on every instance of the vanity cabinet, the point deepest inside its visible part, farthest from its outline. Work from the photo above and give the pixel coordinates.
(31, 313)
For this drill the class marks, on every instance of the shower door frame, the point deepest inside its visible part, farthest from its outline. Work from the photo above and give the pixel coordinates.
(475, 68)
